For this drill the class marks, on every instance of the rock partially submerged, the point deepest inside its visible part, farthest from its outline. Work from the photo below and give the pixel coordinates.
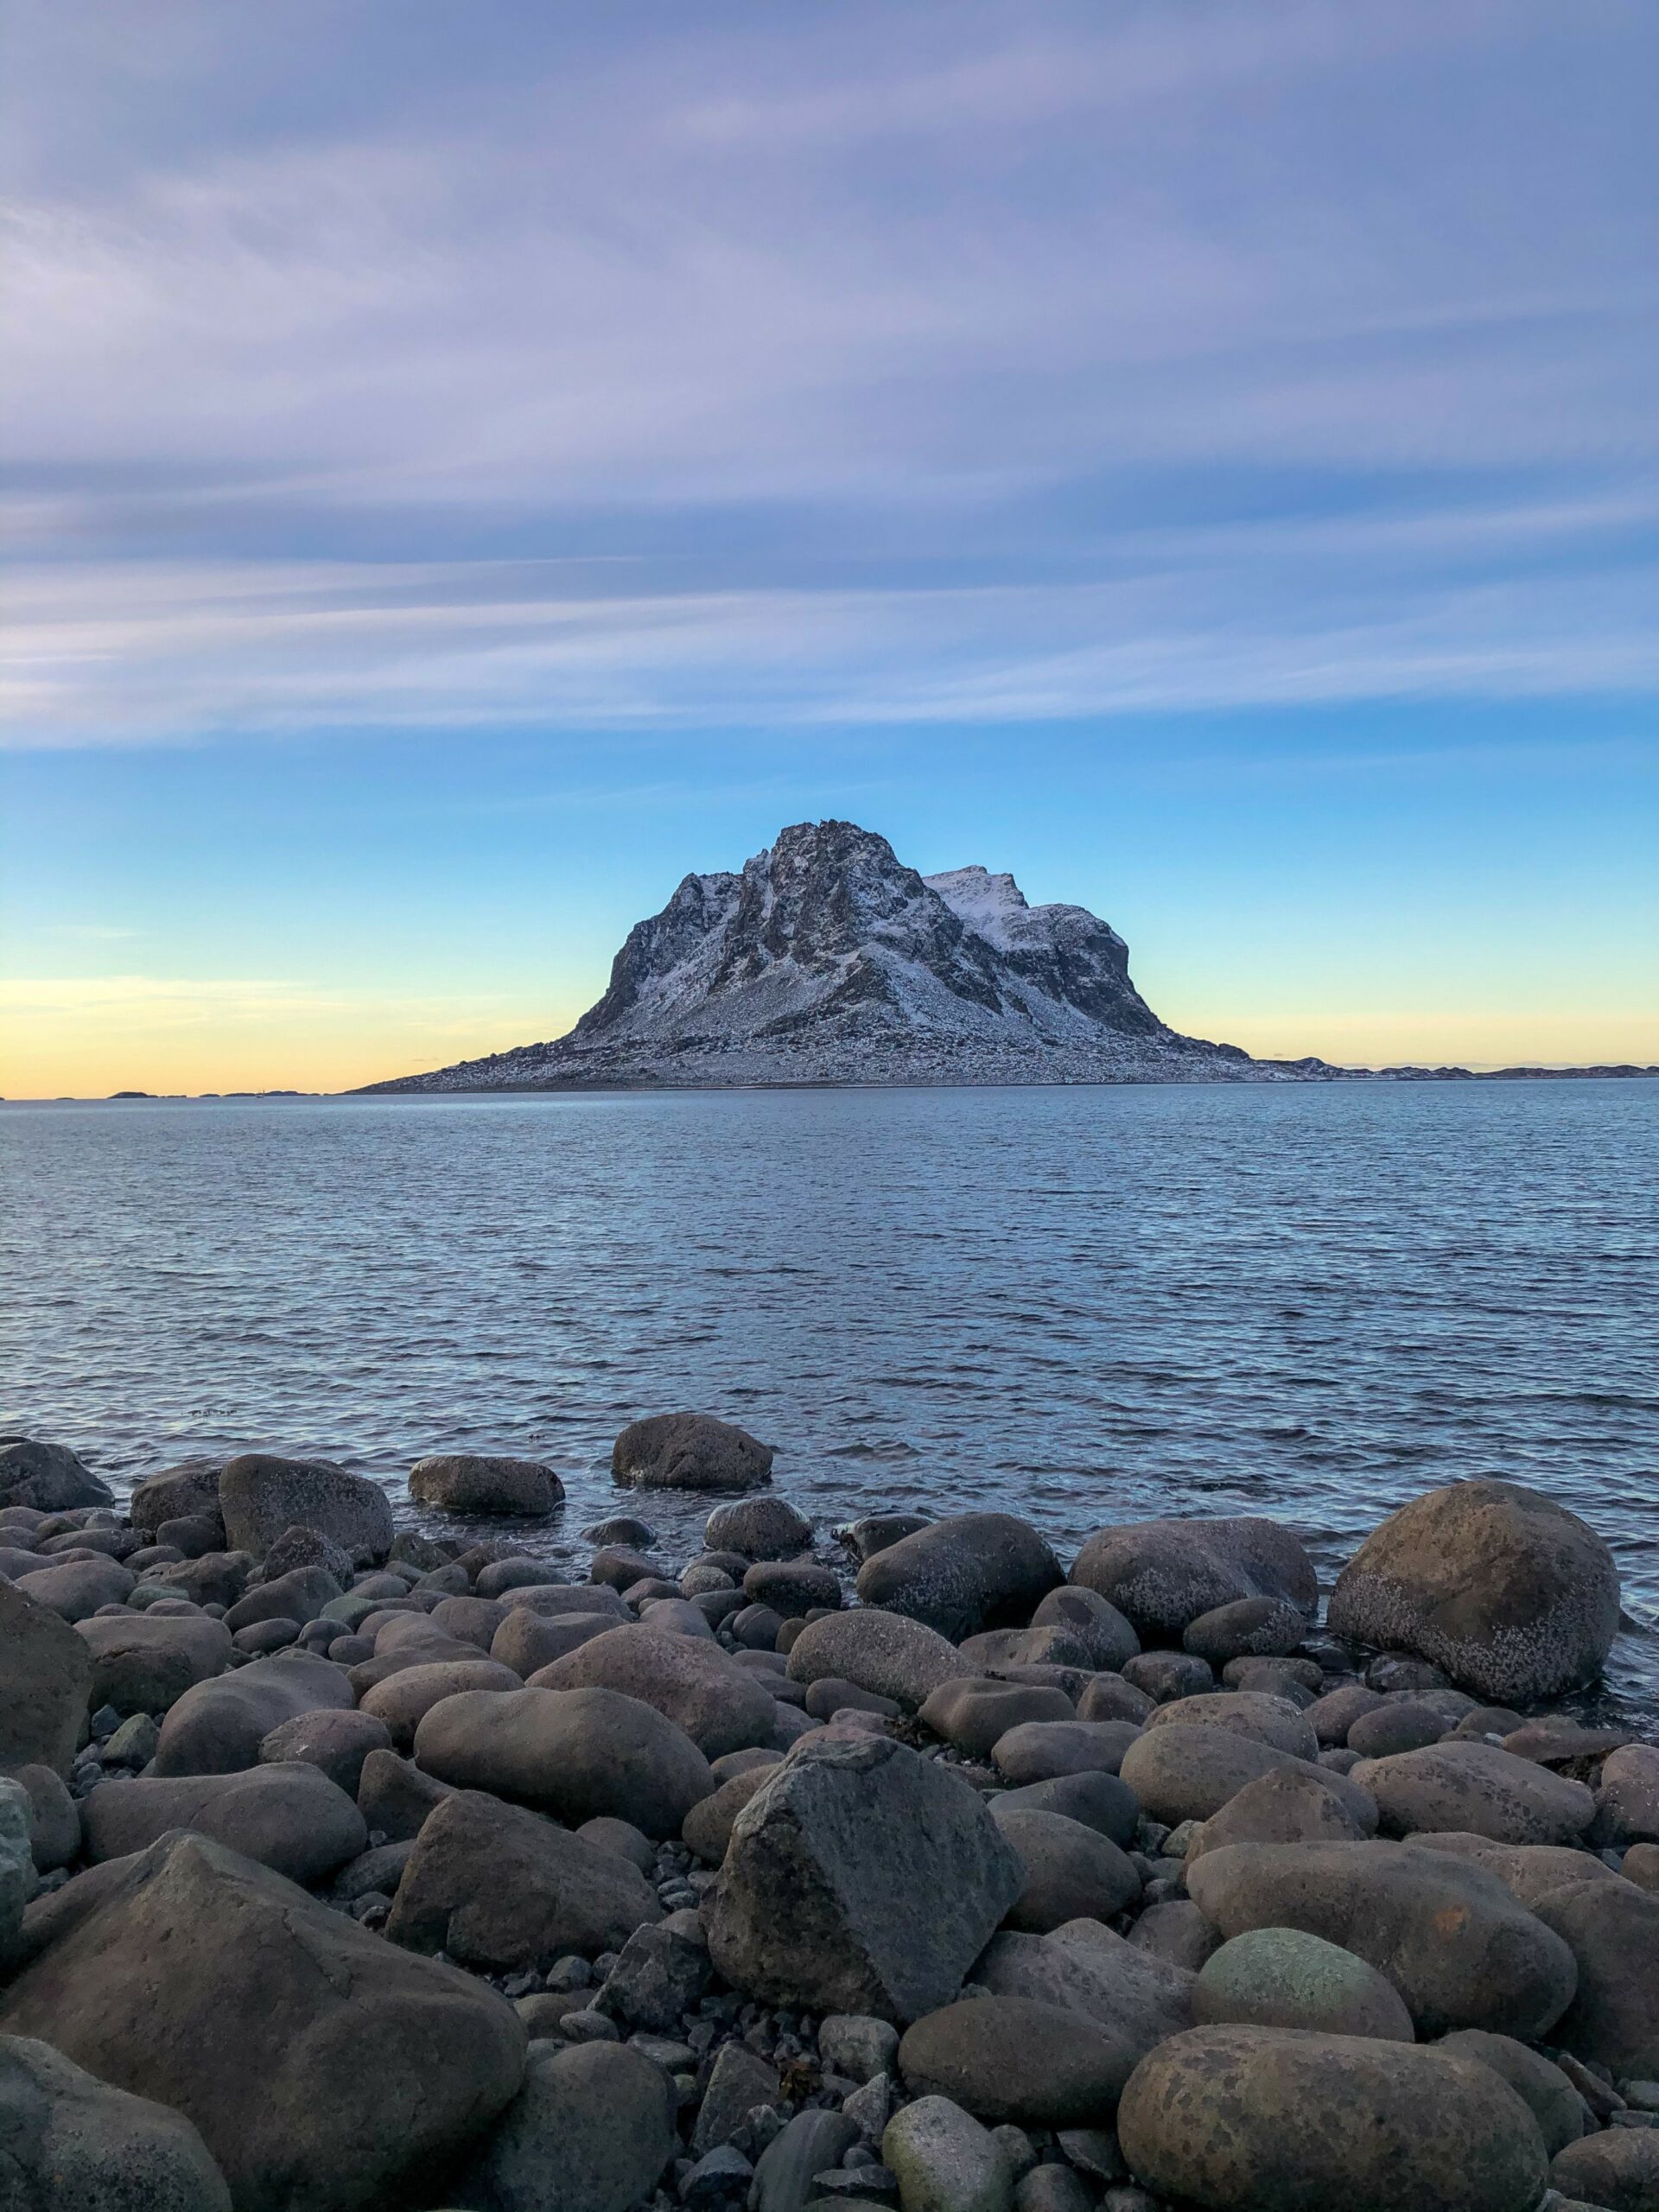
(689, 1451)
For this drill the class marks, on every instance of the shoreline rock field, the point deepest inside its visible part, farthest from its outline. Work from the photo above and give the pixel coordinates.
(906, 1866)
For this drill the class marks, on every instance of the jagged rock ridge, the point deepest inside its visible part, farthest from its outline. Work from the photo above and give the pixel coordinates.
(827, 960)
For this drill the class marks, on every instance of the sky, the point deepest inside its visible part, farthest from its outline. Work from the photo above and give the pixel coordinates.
(465, 466)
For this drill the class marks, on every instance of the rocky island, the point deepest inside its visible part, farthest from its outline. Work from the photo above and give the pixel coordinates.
(906, 1866)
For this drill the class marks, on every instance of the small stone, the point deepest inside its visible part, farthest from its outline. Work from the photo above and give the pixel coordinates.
(104, 1722)
(1052, 2188)
(133, 1744)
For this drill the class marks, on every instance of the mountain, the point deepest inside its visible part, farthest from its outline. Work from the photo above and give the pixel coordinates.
(828, 961)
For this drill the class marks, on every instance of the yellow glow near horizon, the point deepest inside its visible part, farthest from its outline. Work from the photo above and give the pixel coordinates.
(86, 1037)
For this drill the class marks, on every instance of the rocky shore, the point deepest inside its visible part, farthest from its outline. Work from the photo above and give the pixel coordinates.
(904, 1865)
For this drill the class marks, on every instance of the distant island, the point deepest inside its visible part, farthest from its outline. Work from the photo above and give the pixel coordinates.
(827, 960)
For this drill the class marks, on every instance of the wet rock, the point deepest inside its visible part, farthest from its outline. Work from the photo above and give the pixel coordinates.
(1617, 2170)
(973, 1711)
(574, 1753)
(75, 1589)
(476, 1481)
(1247, 1628)
(883, 1653)
(591, 2131)
(1009, 2058)
(1109, 1635)
(336, 1743)
(46, 1673)
(404, 1700)
(946, 2160)
(261, 1494)
(499, 1889)
(71, 2142)
(814, 1906)
(323, 2066)
(758, 1527)
(689, 1451)
(290, 1818)
(218, 1726)
(1071, 1872)
(698, 1686)
(1612, 1931)
(1285, 1977)
(1246, 1712)
(1136, 1997)
(1042, 1750)
(1101, 1801)
(876, 1531)
(1163, 1575)
(970, 1572)
(47, 1476)
(1259, 2119)
(1289, 1805)
(1512, 1595)
(1478, 1789)
(1447, 1935)
(1189, 1774)
(1542, 2087)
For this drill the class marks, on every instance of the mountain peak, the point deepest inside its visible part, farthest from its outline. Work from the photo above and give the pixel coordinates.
(827, 959)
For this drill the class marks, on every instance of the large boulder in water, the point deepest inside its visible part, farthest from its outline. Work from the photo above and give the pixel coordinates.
(46, 1671)
(973, 1571)
(757, 1528)
(1512, 1595)
(47, 1476)
(1163, 1575)
(689, 1452)
(479, 1482)
(859, 1878)
(262, 1497)
(71, 2143)
(1262, 2119)
(325, 2068)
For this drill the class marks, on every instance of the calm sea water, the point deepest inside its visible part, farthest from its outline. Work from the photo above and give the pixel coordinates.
(1083, 1305)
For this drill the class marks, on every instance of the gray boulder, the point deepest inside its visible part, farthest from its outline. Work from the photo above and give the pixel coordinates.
(336, 1743)
(946, 2160)
(1529, 1872)
(883, 1653)
(1285, 1977)
(16, 1863)
(708, 1827)
(1541, 2087)
(1247, 1628)
(970, 1572)
(738, 2080)
(1617, 2170)
(591, 2131)
(476, 1481)
(529, 1640)
(1071, 1872)
(1163, 1575)
(1101, 1801)
(1509, 1593)
(1110, 1636)
(689, 1452)
(810, 2144)
(1265, 1719)
(53, 1817)
(177, 1493)
(814, 1906)
(69, 2142)
(1290, 1804)
(46, 1672)
(1188, 1774)
(662, 1974)
(75, 1589)
(395, 1798)
(144, 1663)
(500, 1888)
(972, 1712)
(1042, 1750)
(47, 1476)
(403, 1700)
(326, 2070)
(1137, 1997)
(1627, 1800)
(1446, 1934)
(1256, 2118)
(1009, 2058)
(793, 1587)
(574, 1753)
(218, 1726)
(261, 1495)
(302, 1594)
(299, 1547)
(1478, 1789)
(758, 1527)
(290, 1818)
(1611, 1930)
(687, 1678)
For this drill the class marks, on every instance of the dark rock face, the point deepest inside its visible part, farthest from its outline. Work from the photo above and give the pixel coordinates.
(322, 2066)
(47, 1476)
(971, 1572)
(818, 1902)
(1259, 2117)
(46, 1672)
(1164, 1575)
(473, 1482)
(689, 1452)
(827, 958)
(261, 1495)
(70, 2141)
(1513, 1596)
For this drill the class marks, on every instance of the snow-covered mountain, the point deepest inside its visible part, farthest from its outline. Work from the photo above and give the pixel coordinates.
(827, 960)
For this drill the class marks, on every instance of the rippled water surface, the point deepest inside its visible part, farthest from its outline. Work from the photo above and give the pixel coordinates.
(1084, 1305)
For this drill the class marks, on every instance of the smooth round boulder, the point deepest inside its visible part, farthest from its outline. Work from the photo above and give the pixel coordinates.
(404, 1698)
(46, 1673)
(47, 1478)
(791, 1587)
(1163, 1575)
(707, 1827)
(757, 1528)
(1101, 1801)
(288, 1817)
(484, 1483)
(335, 1743)
(591, 2131)
(689, 1680)
(1478, 1789)
(1241, 2119)
(1512, 1595)
(884, 1653)
(1247, 1628)
(1246, 1712)
(970, 1572)
(1109, 1635)
(1165, 1675)
(76, 1588)
(1042, 1750)
(529, 1640)
(69, 2142)
(689, 1452)
(1543, 2088)
(1402, 1725)
(1291, 1804)
(262, 1495)
(1611, 1929)
(1617, 2171)
(1006, 2059)
(1071, 1872)
(1110, 1697)
(1285, 1977)
(973, 1711)
(218, 1726)
(188, 1489)
(1189, 1774)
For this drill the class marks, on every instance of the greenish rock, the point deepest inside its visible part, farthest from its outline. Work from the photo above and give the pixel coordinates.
(945, 2161)
(1285, 1977)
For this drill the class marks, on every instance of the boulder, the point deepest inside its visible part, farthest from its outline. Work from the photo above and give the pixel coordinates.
(805, 2147)
(1265, 1719)
(1112, 1697)
(1042, 1750)
(1188, 1774)
(1089, 1970)
(1248, 1628)
(1009, 2058)
(574, 1753)
(177, 1493)
(1162, 1676)
(69, 2142)
(758, 1527)
(1447, 1935)
(876, 1531)
(261, 1495)
(1627, 1801)
(1398, 1725)
(1478, 1789)
(53, 1817)
(144, 1663)
(290, 1818)
(16, 1864)
(1529, 1872)
(404, 1700)
(1611, 1930)
(47, 1476)
(662, 1974)
(395, 1798)
(883, 1653)
(1071, 1872)
(210, 1579)
(970, 1572)
(1108, 1634)
(708, 1828)
(218, 1726)
(1177, 1932)
(793, 1587)
(719, 1706)
(738, 2081)
(46, 1672)
(500, 1890)
(1285, 1977)
(972, 1712)
(814, 1906)
(1509, 1593)
(1541, 2086)
(336, 1743)
(1101, 1801)
(1009, 1650)
(1291, 1804)
(689, 1452)
(325, 2068)
(300, 1547)
(475, 1481)
(1265, 2120)
(1163, 1575)
(76, 1588)
(591, 2131)
(527, 1640)
(944, 2160)
(301, 1594)
(1615, 2171)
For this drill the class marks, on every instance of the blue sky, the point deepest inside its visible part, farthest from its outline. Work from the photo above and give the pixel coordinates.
(465, 467)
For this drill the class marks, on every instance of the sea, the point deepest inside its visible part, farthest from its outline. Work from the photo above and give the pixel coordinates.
(1081, 1304)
